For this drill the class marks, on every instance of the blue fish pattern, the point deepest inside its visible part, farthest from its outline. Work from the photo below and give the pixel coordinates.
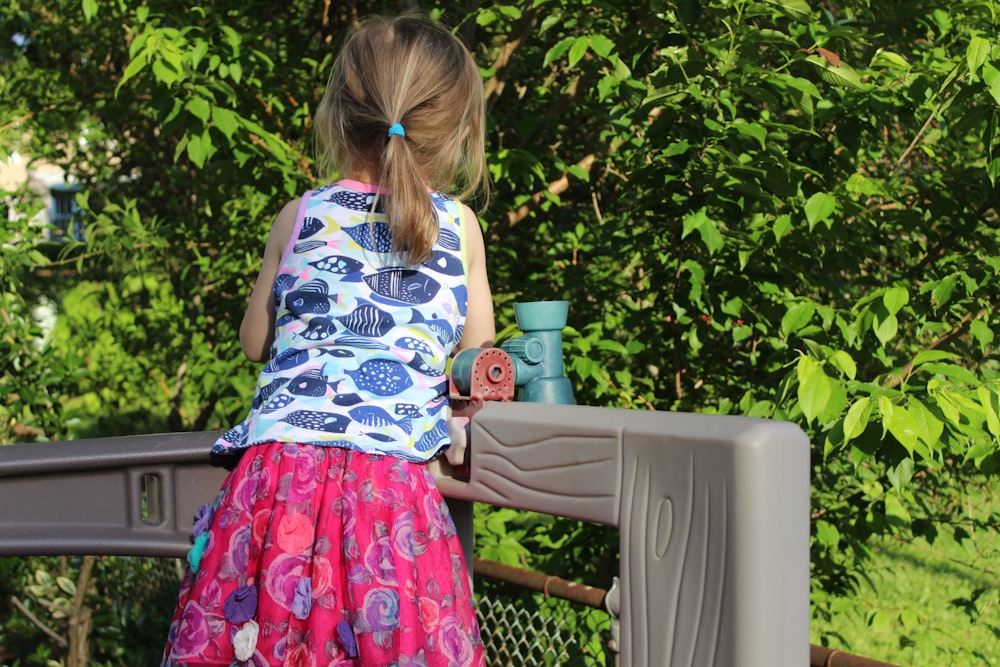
(355, 201)
(338, 264)
(337, 352)
(373, 237)
(306, 246)
(442, 330)
(408, 409)
(433, 439)
(404, 285)
(421, 366)
(320, 328)
(415, 344)
(373, 416)
(310, 227)
(361, 342)
(444, 263)
(286, 360)
(449, 240)
(264, 393)
(316, 420)
(310, 383)
(313, 297)
(382, 377)
(282, 283)
(277, 403)
(368, 320)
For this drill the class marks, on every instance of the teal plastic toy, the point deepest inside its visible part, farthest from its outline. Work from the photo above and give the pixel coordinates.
(532, 363)
(538, 354)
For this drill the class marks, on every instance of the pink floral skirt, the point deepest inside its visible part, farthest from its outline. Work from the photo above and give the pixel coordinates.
(314, 556)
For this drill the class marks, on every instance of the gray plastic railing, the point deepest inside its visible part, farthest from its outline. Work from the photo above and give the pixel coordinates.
(713, 513)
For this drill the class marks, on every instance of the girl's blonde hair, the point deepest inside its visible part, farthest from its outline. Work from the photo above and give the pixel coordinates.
(411, 71)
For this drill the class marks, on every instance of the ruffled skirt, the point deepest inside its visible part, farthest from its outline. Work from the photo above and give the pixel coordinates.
(314, 556)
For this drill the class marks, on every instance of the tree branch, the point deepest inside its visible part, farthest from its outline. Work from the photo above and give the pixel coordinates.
(38, 623)
(494, 87)
(556, 187)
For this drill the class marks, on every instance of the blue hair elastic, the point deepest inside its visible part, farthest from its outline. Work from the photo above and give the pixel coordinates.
(396, 129)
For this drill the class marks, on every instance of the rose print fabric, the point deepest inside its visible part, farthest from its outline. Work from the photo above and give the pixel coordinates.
(322, 556)
(361, 342)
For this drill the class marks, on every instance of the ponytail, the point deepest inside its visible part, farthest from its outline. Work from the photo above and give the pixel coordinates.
(405, 104)
(412, 217)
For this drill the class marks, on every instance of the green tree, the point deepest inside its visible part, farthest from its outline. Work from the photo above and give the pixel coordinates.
(777, 208)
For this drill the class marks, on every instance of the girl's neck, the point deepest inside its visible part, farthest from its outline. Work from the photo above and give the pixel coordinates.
(362, 175)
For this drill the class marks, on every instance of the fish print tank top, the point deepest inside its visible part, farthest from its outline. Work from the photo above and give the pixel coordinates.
(361, 339)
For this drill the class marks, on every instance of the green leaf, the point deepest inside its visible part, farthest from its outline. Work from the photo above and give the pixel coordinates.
(752, 130)
(827, 534)
(991, 77)
(578, 50)
(66, 585)
(982, 333)
(601, 45)
(607, 86)
(863, 185)
(164, 73)
(993, 170)
(843, 75)
(889, 59)
(900, 474)
(198, 52)
(894, 510)
(988, 400)
(953, 371)
(796, 317)
(941, 294)
(677, 148)
(886, 328)
(510, 11)
(796, 9)
(486, 17)
(819, 207)
(977, 54)
(135, 66)
(225, 120)
(895, 298)
(557, 51)
(196, 150)
(844, 362)
(782, 226)
(693, 221)
(89, 9)
(903, 427)
(857, 418)
(929, 426)
(711, 236)
(199, 108)
(925, 356)
(814, 387)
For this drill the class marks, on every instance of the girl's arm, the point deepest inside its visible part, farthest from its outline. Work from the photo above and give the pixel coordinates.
(480, 327)
(257, 329)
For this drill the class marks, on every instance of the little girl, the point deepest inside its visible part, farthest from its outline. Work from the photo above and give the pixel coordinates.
(329, 543)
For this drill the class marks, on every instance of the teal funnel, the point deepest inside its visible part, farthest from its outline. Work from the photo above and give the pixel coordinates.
(537, 355)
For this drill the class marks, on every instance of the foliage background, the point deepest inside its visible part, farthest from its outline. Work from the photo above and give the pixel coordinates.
(776, 208)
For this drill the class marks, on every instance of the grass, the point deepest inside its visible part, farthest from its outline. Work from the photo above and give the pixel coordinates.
(927, 604)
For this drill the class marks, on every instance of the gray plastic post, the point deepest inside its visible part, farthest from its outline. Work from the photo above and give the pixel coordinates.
(713, 513)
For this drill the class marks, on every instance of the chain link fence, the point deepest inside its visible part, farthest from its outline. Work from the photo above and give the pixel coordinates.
(521, 627)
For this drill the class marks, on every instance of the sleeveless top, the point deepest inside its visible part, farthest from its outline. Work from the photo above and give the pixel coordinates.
(361, 340)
